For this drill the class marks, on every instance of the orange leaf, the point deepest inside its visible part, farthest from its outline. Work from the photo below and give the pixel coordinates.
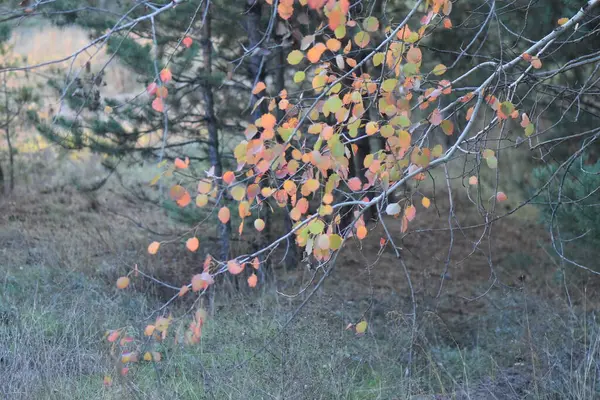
(260, 86)
(315, 53)
(180, 195)
(224, 215)
(354, 184)
(198, 283)
(426, 202)
(187, 42)
(469, 113)
(335, 19)
(255, 263)
(473, 180)
(372, 128)
(180, 164)
(162, 92)
(192, 244)
(268, 121)
(410, 212)
(252, 280)
(228, 177)
(501, 196)
(184, 289)
(361, 232)
(234, 267)
(414, 55)
(153, 247)
(334, 44)
(122, 282)
(149, 330)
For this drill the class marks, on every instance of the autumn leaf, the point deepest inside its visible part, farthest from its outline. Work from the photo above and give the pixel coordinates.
(439, 69)
(259, 224)
(295, 57)
(410, 212)
(501, 196)
(122, 282)
(151, 89)
(425, 202)
(180, 195)
(260, 86)
(198, 283)
(187, 42)
(252, 280)
(362, 39)
(414, 55)
(224, 215)
(234, 267)
(436, 117)
(361, 327)
(192, 244)
(355, 184)
(153, 247)
(361, 232)
(181, 164)
(315, 53)
(371, 24)
(158, 105)
(149, 330)
(113, 336)
(165, 75)
(447, 127)
(268, 121)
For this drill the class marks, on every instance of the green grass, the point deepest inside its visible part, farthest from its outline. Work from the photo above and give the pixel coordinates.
(53, 323)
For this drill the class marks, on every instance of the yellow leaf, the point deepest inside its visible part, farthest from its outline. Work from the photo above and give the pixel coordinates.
(299, 76)
(371, 24)
(361, 327)
(426, 202)
(238, 192)
(295, 57)
(439, 69)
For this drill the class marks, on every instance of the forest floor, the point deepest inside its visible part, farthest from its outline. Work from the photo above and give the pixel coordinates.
(508, 323)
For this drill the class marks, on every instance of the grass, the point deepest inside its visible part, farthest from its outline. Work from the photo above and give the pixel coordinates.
(53, 323)
(60, 256)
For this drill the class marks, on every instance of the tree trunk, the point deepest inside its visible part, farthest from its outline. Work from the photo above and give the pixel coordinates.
(224, 230)
(291, 253)
(11, 154)
(256, 73)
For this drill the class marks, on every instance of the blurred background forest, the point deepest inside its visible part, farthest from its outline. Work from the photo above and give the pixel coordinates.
(78, 208)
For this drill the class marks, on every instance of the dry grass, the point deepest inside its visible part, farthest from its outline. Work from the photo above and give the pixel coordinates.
(61, 252)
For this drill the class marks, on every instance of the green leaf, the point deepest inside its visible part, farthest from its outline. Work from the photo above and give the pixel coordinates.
(492, 162)
(316, 227)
